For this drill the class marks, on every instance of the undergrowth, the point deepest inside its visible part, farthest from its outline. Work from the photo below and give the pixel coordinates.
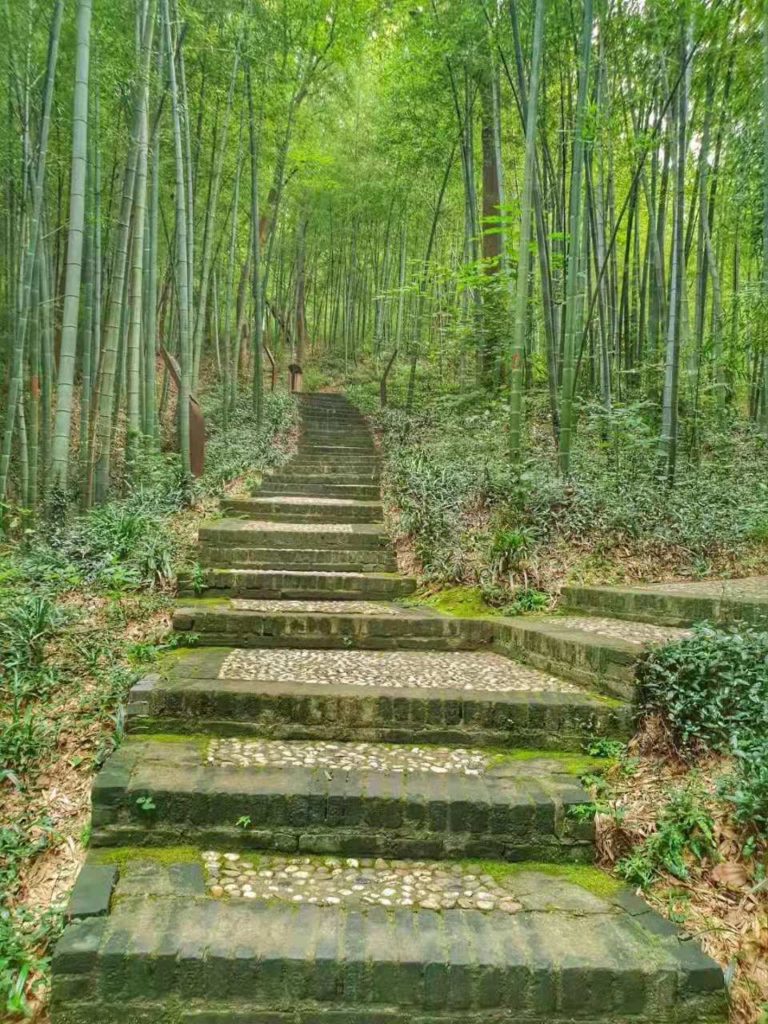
(85, 602)
(472, 517)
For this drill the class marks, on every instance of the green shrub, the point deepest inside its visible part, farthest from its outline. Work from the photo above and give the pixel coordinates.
(712, 689)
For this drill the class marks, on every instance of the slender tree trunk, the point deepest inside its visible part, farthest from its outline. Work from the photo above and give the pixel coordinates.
(30, 255)
(69, 327)
(574, 285)
(524, 248)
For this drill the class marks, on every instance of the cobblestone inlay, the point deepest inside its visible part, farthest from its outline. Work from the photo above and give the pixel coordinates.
(353, 882)
(340, 607)
(268, 525)
(437, 670)
(346, 756)
(618, 629)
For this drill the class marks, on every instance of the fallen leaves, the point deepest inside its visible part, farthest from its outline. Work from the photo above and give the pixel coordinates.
(724, 902)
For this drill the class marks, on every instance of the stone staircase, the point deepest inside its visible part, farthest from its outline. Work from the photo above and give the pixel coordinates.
(338, 809)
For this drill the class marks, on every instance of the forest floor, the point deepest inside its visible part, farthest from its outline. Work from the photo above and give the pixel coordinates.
(85, 608)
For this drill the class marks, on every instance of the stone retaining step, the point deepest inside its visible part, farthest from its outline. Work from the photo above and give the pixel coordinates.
(319, 510)
(297, 536)
(166, 950)
(337, 432)
(676, 604)
(400, 696)
(337, 450)
(339, 464)
(337, 475)
(310, 559)
(165, 793)
(377, 627)
(333, 420)
(273, 486)
(594, 651)
(340, 586)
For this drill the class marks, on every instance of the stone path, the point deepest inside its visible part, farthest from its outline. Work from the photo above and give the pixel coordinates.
(341, 810)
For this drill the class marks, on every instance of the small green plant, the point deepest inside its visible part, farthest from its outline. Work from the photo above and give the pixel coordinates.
(243, 822)
(146, 804)
(684, 833)
(607, 748)
(583, 812)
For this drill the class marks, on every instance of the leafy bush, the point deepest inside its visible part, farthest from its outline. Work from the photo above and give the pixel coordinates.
(712, 689)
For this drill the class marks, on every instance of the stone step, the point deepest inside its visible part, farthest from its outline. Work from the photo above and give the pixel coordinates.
(319, 510)
(462, 698)
(338, 475)
(333, 419)
(330, 560)
(328, 625)
(256, 533)
(336, 451)
(349, 438)
(350, 799)
(676, 604)
(272, 486)
(307, 586)
(215, 940)
(596, 652)
(315, 464)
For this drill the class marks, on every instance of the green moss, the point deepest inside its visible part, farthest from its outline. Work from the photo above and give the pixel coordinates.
(463, 602)
(594, 880)
(199, 740)
(121, 855)
(574, 764)
(164, 664)
(203, 602)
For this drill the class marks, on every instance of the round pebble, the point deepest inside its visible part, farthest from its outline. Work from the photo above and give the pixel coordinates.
(360, 882)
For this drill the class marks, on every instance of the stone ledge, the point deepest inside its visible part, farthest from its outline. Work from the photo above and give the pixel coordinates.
(153, 954)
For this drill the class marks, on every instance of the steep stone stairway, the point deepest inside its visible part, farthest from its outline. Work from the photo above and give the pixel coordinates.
(339, 809)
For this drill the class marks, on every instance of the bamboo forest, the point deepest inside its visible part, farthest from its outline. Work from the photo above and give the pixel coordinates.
(384, 511)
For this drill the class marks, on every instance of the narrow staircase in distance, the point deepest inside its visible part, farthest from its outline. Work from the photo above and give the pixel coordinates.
(340, 809)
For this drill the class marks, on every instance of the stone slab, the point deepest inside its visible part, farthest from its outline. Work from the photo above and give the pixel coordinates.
(167, 793)
(297, 585)
(677, 604)
(591, 650)
(398, 697)
(564, 956)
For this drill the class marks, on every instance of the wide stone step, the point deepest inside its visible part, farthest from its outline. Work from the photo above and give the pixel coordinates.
(347, 464)
(338, 475)
(318, 510)
(464, 698)
(329, 625)
(229, 556)
(341, 450)
(676, 604)
(332, 417)
(321, 797)
(263, 533)
(349, 438)
(320, 489)
(598, 652)
(229, 939)
(279, 584)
